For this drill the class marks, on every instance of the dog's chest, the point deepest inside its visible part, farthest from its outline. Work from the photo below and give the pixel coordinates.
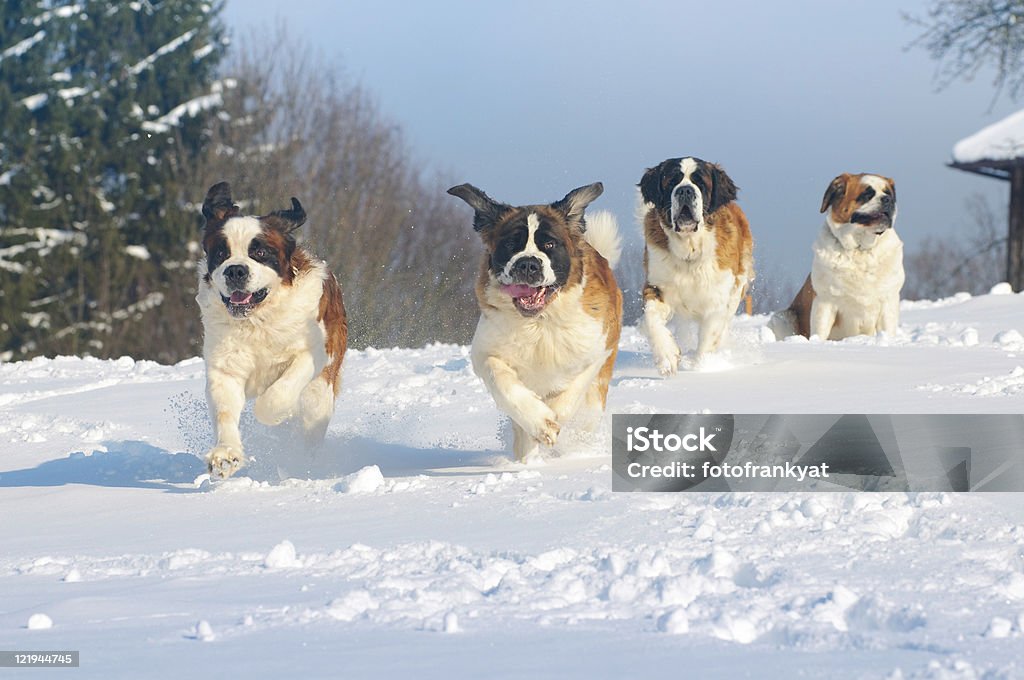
(260, 348)
(547, 351)
(859, 276)
(691, 287)
(260, 354)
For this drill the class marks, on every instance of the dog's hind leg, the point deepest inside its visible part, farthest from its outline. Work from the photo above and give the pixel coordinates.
(317, 406)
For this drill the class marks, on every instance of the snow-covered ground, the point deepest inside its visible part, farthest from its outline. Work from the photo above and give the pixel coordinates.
(448, 560)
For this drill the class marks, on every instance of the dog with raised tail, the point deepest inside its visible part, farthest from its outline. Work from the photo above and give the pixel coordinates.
(550, 310)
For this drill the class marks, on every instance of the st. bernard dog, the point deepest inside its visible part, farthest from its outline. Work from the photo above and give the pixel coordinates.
(550, 310)
(274, 323)
(698, 258)
(857, 271)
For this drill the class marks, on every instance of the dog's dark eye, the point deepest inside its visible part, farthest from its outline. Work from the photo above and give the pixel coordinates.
(219, 254)
(866, 195)
(261, 252)
(548, 245)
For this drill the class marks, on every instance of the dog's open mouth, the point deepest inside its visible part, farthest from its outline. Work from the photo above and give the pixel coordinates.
(685, 220)
(878, 222)
(241, 302)
(529, 300)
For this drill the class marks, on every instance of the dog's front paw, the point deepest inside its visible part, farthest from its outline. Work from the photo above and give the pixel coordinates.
(273, 407)
(223, 461)
(543, 425)
(668, 362)
(547, 434)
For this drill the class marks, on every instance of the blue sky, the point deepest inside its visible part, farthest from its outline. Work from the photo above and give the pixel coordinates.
(530, 99)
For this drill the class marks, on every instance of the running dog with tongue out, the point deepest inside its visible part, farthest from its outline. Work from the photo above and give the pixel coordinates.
(274, 322)
(550, 310)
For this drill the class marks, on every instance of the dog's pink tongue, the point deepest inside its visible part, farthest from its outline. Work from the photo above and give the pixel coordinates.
(240, 297)
(518, 290)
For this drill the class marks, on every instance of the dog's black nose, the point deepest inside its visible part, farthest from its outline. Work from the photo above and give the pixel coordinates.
(236, 274)
(686, 193)
(527, 269)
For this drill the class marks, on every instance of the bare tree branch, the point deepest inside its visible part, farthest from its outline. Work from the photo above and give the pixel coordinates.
(966, 36)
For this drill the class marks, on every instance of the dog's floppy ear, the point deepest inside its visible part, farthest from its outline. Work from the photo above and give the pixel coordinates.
(218, 205)
(287, 220)
(576, 201)
(723, 189)
(650, 185)
(834, 192)
(486, 211)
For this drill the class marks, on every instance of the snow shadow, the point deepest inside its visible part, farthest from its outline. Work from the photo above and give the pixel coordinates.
(632, 359)
(632, 366)
(124, 464)
(276, 453)
(274, 461)
(397, 460)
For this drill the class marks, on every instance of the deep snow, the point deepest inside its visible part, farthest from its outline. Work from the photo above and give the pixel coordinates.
(412, 545)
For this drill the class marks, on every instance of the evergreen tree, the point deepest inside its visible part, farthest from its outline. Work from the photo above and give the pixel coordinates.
(102, 107)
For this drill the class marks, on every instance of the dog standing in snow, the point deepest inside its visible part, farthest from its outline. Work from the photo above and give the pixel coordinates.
(698, 255)
(857, 271)
(274, 322)
(550, 310)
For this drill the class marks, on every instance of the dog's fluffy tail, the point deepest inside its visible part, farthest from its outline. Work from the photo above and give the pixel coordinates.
(603, 233)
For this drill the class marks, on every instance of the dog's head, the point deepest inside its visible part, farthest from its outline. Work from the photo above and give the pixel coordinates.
(859, 208)
(248, 258)
(685, 191)
(532, 251)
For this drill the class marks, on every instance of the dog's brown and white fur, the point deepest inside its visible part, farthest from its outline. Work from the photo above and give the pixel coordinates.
(550, 310)
(857, 271)
(698, 258)
(274, 321)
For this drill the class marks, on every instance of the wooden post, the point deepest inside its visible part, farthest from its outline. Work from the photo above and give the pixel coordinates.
(1015, 237)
